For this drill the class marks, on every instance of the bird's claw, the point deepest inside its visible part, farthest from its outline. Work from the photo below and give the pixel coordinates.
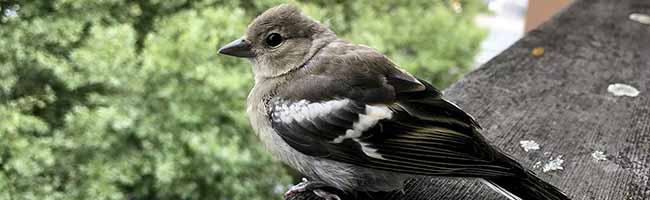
(314, 186)
(326, 195)
(298, 188)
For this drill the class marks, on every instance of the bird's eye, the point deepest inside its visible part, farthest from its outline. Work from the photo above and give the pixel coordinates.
(274, 39)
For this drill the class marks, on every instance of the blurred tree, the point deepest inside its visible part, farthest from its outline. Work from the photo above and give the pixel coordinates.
(127, 99)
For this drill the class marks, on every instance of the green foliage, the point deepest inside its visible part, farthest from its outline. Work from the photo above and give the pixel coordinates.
(122, 99)
(430, 39)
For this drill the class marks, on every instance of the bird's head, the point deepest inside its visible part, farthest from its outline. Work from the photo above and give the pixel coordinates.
(279, 40)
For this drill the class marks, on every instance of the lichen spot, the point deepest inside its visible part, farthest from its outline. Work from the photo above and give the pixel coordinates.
(641, 18)
(620, 89)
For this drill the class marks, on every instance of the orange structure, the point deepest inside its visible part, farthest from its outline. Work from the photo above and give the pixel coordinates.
(541, 10)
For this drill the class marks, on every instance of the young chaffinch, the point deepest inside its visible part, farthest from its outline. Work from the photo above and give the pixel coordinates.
(348, 118)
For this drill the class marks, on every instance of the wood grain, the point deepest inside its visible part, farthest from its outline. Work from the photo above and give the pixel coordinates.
(560, 100)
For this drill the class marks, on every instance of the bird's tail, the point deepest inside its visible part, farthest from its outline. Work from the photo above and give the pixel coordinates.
(528, 188)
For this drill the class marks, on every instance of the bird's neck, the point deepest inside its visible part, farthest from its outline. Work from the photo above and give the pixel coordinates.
(323, 40)
(263, 90)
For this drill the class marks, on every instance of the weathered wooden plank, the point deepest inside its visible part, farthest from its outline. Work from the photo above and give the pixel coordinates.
(560, 100)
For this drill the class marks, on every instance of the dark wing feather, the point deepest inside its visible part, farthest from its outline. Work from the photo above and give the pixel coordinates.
(445, 150)
(429, 104)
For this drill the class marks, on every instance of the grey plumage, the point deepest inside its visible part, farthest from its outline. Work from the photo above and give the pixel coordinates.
(346, 115)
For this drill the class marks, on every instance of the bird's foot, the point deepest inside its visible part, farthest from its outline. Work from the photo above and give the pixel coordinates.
(326, 195)
(314, 186)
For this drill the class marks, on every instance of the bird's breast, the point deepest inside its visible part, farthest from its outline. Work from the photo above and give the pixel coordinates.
(257, 112)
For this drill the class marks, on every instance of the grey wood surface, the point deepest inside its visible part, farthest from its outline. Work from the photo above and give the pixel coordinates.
(560, 100)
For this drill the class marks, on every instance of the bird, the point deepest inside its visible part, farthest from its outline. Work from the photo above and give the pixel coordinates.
(350, 119)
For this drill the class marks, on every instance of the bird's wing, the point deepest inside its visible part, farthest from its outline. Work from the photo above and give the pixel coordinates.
(417, 132)
(355, 106)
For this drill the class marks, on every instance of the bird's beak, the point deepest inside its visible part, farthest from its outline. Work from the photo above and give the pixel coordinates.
(238, 48)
